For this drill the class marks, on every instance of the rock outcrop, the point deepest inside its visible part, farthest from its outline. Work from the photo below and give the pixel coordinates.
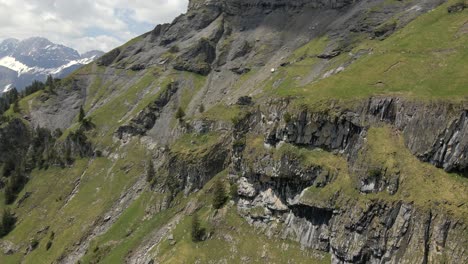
(197, 99)
(273, 187)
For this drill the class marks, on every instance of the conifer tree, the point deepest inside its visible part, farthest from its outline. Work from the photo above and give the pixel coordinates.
(8, 222)
(81, 115)
(180, 113)
(219, 194)
(197, 231)
(150, 173)
(50, 83)
(16, 107)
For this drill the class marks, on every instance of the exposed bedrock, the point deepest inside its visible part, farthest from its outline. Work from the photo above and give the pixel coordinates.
(434, 132)
(237, 7)
(273, 189)
(377, 232)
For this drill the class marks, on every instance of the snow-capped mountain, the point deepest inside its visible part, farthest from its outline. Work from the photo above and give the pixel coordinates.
(21, 62)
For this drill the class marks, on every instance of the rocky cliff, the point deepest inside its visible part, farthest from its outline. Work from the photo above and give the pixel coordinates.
(339, 128)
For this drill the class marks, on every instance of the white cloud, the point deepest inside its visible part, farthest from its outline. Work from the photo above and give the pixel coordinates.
(85, 24)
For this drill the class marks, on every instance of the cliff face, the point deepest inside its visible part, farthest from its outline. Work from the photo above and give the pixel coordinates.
(243, 7)
(340, 128)
(277, 189)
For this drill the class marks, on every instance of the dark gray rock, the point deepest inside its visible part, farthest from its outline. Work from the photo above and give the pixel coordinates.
(146, 119)
(197, 59)
(108, 58)
(240, 71)
(329, 55)
(458, 7)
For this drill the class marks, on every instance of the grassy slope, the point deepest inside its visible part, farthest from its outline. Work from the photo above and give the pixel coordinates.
(231, 237)
(102, 182)
(420, 183)
(428, 59)
(425, 60)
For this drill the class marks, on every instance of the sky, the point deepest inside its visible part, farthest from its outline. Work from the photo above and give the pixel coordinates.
(85, 24)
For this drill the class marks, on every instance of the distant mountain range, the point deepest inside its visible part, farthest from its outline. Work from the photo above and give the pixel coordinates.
(21, 62)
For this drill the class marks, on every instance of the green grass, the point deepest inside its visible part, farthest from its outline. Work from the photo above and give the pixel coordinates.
(196, 145)
(333, 166)
(188, 94)
(420, 183)
(130, 230)
(135, 226)
(425, 60)
(230, 233)
(222, 112)
(102, 182)
(309, 50)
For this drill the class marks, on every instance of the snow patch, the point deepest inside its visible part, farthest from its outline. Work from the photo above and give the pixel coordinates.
(71, 63)
(8, 88)
(13, 64)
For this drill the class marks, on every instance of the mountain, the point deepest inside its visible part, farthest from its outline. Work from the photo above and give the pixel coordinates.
(21, 62)
(267, 131)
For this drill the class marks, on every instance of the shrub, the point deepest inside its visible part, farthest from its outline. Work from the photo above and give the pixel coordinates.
(8, 168)
(219, 194)
(197, 231)
(236, 120)
(233, 191)
(81, 114)
(34, 243)
(8, 223)
(48, 245)
(240, 143)
(201, 108)
(180, 114)
(150, 173)
(287, 117)
(16, 107)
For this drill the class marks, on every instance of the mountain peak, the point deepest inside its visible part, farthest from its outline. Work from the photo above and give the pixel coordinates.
(34, 58)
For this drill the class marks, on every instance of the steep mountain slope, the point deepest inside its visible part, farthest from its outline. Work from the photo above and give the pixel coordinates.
(35, 58)
(339, 128)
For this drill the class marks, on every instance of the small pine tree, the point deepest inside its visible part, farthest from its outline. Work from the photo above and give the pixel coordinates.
(219, 194)
(50, 83)
(16, 107)
(9, 194)
(8, 167)
(8, 223)
(81, 115)
(180, 114)
(68, 154)
(48, 245)
(197, 231)
(150, 173)
(201, 108)
(233, 191)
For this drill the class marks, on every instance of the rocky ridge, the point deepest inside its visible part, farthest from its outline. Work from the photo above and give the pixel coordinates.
(359, 181)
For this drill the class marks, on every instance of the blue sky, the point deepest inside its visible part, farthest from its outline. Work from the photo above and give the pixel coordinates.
(85, 24)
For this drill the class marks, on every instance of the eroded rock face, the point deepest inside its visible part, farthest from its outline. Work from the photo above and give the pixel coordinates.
(188, 175)
(198, 59)
(443, 142)
(146, 119)
(237, 7)
(379, 232)
(272, 190)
